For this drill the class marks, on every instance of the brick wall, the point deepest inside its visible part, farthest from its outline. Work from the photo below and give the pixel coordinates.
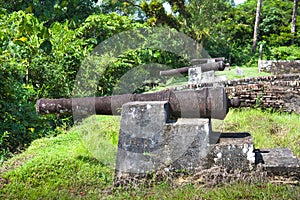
(280, 92)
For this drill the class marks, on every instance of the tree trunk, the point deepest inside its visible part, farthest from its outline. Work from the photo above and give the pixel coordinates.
(260, 57)
(294, 17)
(257, 18)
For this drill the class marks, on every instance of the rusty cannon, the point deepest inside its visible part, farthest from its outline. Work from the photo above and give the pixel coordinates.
(203, 103)
(213, 66)
(206, 60)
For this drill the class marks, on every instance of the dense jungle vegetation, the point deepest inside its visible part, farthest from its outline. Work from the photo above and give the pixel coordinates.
(43, 45)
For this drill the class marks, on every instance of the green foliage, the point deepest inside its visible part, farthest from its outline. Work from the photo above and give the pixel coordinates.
(156, 14)
(124, 8)
(232, 37)
(133, 59)
(285, 53)
(276, 22)
(50, 11)
(19, 123)
(60, 66)
(98, 28)
(103, 26)
(35, 62)
(47, 59)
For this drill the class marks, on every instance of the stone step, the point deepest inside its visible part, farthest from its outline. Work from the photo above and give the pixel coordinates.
(279, 161)
(232, 151)
(236, 151)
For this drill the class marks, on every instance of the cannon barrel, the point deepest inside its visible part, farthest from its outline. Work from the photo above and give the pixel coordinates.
(215, 66)
(204, 103)
(206, 60)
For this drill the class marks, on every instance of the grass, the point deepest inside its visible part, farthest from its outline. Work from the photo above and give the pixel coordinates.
(171, 82)
(79, 164)
(230, 74)
(268, 129)
(245, 72)
(62, 166)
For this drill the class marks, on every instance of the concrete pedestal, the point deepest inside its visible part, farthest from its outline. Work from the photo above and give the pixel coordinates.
(196, 76)
(149, 141)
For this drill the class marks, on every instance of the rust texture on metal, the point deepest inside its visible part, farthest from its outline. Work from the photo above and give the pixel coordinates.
(214, 66)
(202, 103)
(206, 60)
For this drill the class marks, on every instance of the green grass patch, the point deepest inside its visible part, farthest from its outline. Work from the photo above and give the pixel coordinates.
(231, 74)
(237, 190)
(63, 166)
(79, 164)
(245, 72)
(268, 129)
(171, 82)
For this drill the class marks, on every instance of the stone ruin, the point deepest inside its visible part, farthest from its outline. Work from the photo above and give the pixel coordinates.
(201, 71)
(151, 141)
(198, 76)
(279, 66)
(172, 131)
(279, 92)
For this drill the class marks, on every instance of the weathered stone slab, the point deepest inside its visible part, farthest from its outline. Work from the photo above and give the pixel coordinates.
(189, 142)
(195, 75)
(279, 161)
(234, 151)
(279, 66)
(219, 81)
(148, 141)
(208, 77)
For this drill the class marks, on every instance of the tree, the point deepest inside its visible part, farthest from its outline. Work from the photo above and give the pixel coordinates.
(294, 17)
(256, 26)
(50, 11)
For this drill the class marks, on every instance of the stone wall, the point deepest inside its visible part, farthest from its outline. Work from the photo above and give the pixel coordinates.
(280, 66)
(280, 92)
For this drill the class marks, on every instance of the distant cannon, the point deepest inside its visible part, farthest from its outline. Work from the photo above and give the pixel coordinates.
(204, 103)
(213, 66)
(206, 60)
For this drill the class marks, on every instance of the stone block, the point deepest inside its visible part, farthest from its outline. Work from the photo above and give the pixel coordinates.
(149, 141)
(194, 75)
(279, 161)
(233, 151)
(208, 77)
